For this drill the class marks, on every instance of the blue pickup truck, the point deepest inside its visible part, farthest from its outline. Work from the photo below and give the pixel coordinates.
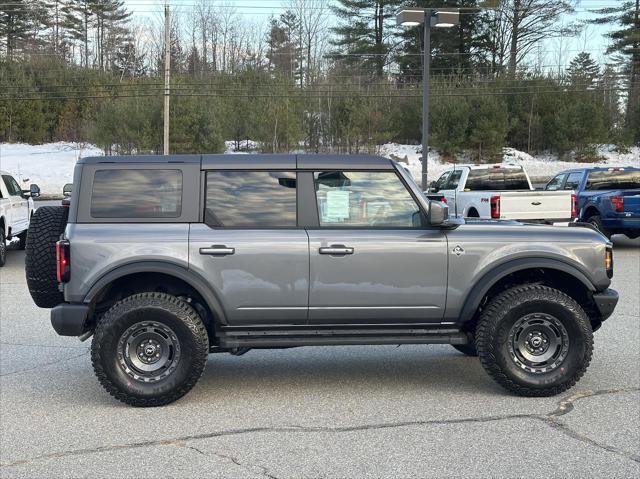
(607, 198)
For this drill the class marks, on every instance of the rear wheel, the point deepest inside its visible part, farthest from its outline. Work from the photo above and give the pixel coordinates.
(534, 340)
(596, 222)
(46, 227)
(149, 349)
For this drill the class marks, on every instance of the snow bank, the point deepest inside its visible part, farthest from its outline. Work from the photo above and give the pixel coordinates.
(245, 146)
(538, 166)
(50, 165)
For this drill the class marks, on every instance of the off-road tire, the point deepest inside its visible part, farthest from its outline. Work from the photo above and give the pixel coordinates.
(596, 222)
(468, 349)
(504, 311)
(164, 309)
(46, 226)
(3, 248)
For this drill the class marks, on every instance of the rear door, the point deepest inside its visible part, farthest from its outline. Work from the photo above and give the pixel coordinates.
(371, 258)
(19, 205)
(249, 247)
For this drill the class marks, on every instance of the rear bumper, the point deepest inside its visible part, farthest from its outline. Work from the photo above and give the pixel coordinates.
(606, 302)
(70, 319)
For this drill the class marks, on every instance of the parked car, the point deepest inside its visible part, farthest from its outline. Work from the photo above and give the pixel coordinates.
(607, 197)
(16, 208)
(164, 259)
(500, 191)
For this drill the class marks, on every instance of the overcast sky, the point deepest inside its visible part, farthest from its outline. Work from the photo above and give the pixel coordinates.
(549, 53)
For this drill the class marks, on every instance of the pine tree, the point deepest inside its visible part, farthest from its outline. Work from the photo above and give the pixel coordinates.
(626, 43)
(283, 51)
(583, 71)
(364, 35)
(16, 25)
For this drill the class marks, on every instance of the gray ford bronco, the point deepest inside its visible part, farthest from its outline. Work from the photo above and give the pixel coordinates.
(164, 260)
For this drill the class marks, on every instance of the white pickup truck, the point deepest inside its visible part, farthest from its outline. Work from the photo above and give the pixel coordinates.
(16, 207)
(500, 191)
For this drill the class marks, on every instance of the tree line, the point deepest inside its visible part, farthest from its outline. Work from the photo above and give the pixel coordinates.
(322, 76)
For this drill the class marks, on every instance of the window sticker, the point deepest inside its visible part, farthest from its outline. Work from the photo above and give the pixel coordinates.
(337, 207)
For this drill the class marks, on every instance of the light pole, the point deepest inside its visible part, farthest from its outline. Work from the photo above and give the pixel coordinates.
(428, 17)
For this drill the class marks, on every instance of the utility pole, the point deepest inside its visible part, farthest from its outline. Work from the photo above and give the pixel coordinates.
(426, 79)
(167, 74)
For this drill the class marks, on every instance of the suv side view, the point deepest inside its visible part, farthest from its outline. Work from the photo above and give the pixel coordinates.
(164, 260)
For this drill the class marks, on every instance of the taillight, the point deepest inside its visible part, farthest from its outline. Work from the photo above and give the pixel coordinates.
(63, 261)
(618, 203)
(495, 207)
(443, 200)
(574, 206)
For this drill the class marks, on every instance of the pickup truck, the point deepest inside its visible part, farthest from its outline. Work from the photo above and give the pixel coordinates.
(500, 191)
(279, 251)
(607, 198)
(16, 208)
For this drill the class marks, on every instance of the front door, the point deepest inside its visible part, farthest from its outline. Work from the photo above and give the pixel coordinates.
(250, 249)
(372, 259)
(19, 205)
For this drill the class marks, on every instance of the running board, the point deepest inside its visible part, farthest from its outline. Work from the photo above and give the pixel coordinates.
(290, 336)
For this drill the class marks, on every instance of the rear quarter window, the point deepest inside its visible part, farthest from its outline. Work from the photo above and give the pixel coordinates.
(492, 179)
(130, 193)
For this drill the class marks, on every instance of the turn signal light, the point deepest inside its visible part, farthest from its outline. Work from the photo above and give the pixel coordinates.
(574, 206)
(608, 262)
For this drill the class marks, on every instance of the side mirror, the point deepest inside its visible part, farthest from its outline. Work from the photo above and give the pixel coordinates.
(67, 189)
(438, 213)
(34, 190)
(432, 187)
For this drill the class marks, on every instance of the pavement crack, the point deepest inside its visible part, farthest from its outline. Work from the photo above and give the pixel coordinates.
(69, 358)
(565, 406)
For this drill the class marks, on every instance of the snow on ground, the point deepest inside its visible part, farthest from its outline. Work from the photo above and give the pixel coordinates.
(245, 146)
(538, 166)
(50, 166)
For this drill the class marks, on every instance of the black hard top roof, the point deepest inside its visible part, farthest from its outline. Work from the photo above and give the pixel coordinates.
(255, 160)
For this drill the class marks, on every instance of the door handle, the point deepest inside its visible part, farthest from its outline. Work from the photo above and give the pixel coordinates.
(217, 250)
(336, 249)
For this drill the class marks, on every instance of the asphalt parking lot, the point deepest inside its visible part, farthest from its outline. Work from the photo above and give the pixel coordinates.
(376, 411)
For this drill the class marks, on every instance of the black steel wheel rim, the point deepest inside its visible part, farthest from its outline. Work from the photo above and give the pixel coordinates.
(148, 351)
(538, 343)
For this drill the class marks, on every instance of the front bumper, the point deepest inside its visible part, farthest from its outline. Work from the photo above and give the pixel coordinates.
(70, 319)
(606, 302)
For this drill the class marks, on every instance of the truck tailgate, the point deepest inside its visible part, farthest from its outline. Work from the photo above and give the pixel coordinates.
(632, 201)
(536, 205)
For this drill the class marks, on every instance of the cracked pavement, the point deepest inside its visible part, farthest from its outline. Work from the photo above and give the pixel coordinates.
(363, 411)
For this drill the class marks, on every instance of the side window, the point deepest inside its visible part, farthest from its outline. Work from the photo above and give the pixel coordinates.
(12, 185)
(251, 199)
(556, 183)
(573, 181)
(442, 181)
(454, 180)
(125, 193)
(352, 199)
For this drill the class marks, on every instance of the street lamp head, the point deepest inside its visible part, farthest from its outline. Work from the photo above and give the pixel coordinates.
(445, 19)
(410, 18)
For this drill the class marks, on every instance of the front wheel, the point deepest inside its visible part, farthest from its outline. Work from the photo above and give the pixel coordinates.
(534, 340)
(149, 349)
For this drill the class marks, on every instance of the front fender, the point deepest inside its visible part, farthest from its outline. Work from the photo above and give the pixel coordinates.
(492, 276)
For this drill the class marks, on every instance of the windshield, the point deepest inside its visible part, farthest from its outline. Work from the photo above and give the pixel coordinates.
(492, 179)
(614, 180)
